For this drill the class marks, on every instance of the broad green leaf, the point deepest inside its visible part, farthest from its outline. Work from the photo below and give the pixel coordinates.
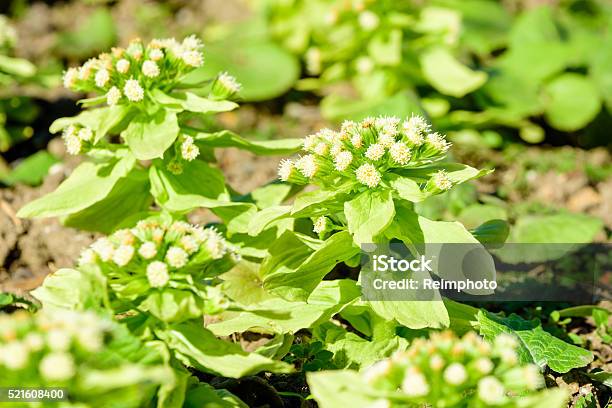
(351, 350)
(603, 377)
(534, 62)
(17, 66)
(368, 215)
(295, 266)
(317, 202)
(449, 76)
(244, 284)
(199, 185)
(73, 290)
(271, 194)
(192, 102)
(476, 214)
(277, 315)
(198, 347)
(149, 136)
(535, 345)
(205, 396)
(226, 138)
(573, 102)
(414, 314)
(31, 170)
(534, 26)
(172, 305)
(264, 69)
(386, 48)
(128, 197)
(340, 388)
(88, 184)
(266, 217)
(560, 228)
(492, 232)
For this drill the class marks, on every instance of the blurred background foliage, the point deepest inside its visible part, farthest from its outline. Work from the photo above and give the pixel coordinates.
(497, 76)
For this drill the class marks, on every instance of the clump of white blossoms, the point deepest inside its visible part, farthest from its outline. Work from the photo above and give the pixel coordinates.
(49, 347)
(157, 252)
(225, 86)
(472, 371)
(78, 139)
(367, 153)
(130, 75)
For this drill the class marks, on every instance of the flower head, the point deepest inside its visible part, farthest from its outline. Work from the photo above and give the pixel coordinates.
(157, 274)
(368, 175)
(113, 96)
(189, 151)
(133, 91)
(102, 77)
(150, 69)
(57, 367)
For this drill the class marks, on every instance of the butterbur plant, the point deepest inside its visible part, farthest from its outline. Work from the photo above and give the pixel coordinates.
(163, 267)
(442, 371)
(139, 131)
(96, 361)
(369, 173)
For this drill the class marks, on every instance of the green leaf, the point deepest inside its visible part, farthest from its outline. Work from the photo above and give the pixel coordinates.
(573, 102)
(340, 388)
(317, 202)
(128, 197)
(276, 315)
(559, 228)
(149, 136)
(193, 103)
(449, 76)
(264, 69)
(205, 396)
(186, 191)
(226, 138)
(172, 305)
(73, 290)
(414, 314)
(386, 48)
(266, 217)
(32, 170)
(535, 345)
(603, 377)
(368, 215)
(88, 184)
(492, 232)
(297, 264)
(17, 66)
(351, 350)
(534, 26)
(197, 346)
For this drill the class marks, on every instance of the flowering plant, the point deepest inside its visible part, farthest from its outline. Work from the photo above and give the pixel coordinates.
(444, 371)
(97, 361)
(144, 96)
(163, 268)
(162, 277)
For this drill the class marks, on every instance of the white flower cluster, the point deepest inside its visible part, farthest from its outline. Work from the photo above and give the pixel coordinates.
(156, 249)
(50, 342)
(493, 370)
(225, 86)
(125, 75)
(365, 152)
(77, 138)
